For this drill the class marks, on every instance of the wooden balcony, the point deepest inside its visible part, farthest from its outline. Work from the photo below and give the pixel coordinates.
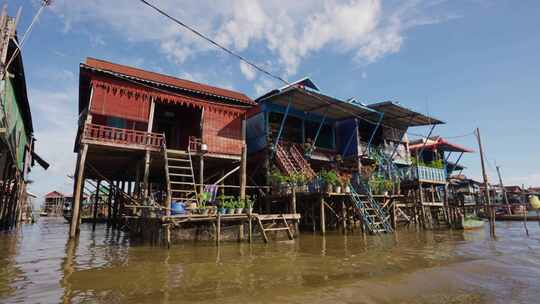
(122, 138)
(423, 174)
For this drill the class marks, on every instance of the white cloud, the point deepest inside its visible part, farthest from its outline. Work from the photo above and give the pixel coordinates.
(264, 86)
(290, 31)
(364, 75)
(247, 71)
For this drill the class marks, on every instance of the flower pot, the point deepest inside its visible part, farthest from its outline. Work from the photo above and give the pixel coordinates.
(249, 210)
(337, 189)
(222, 210)
(239, 210)
(347, 189)
(230, 210)
(204, 211)
(328, 188)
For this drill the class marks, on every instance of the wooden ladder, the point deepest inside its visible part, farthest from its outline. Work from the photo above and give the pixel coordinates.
(280, 219)
(301, 162)
(181, 178)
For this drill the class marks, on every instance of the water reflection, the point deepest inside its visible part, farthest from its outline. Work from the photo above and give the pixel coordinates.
(105, 266)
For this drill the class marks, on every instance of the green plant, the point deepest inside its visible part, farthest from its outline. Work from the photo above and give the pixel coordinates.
(379, 184)
(329, 177)
(439, 164)
(277, 177)
(297, 179)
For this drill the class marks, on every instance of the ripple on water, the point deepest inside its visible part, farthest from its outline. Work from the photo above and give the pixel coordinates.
(105, 266)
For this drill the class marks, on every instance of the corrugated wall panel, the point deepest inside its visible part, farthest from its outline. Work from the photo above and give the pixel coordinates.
(222, 132)
(119, 104)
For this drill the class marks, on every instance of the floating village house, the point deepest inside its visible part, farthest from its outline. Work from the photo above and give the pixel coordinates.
(17, 154)
(151, 140)
(298, 132)
(427, 180)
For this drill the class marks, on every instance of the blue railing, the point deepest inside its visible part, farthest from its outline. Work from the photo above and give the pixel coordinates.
(414, 173)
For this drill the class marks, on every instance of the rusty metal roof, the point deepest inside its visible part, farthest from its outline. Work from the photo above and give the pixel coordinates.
(397, 115)
(437, 143)
(165, 80)
(308, 100)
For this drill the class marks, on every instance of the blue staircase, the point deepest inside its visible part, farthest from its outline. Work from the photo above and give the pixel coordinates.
(374, 217)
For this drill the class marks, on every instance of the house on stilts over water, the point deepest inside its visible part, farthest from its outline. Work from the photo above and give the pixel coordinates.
(427, 181)
(169, 152)
(335, 162)
(17, 154)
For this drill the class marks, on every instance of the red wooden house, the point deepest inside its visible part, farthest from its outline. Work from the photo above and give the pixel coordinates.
(152, 137)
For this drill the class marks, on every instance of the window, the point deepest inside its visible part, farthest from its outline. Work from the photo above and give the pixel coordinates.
(326, 135)
(292, 129)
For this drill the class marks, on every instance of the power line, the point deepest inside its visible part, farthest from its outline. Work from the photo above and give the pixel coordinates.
(213, 42)
(261, 69)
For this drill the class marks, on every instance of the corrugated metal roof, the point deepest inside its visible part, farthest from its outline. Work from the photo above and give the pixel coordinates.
(439, 144)
(165, 80)
(310, 101)
(399, 116)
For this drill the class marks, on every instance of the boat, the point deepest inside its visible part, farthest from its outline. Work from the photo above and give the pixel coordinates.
(43, 213)
(472, 222)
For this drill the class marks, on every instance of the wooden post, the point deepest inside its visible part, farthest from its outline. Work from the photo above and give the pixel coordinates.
(505, 196)
(79, 178)
(146, 175)
(293, 208)
(243, 176)
(96, 200)
(323, 223)
(201, 174)
(109, 203)
(343, 216)
(490, 212)
(218, 229)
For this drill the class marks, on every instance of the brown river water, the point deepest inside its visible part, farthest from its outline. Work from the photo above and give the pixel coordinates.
(38, 265)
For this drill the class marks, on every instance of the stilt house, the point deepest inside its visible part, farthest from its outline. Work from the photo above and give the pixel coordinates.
(427, 179)
(17, 154)
(298, 130)
(153, 138)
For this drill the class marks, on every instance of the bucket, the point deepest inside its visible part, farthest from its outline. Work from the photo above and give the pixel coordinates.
(177, 208)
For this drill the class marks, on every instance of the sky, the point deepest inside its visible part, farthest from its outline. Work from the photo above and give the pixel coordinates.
(470, 63)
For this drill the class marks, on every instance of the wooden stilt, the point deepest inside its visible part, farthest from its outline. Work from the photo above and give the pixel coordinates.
(343, 217)
(109, 204)
(218, 229)
(96, 201)
(323, 222)
(79, 178)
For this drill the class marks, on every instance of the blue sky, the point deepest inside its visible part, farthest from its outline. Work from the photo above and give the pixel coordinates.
(469, 63)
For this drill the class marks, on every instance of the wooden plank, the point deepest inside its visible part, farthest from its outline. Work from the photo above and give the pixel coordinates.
(265, 238)
(74, 228)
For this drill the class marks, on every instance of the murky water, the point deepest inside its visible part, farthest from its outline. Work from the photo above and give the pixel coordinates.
(37, 265)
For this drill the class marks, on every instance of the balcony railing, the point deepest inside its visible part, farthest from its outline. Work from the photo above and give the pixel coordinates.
(422, 173)
(122, 137)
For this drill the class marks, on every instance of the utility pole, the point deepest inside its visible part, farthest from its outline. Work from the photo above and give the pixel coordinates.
(490, 212)
(505, 196)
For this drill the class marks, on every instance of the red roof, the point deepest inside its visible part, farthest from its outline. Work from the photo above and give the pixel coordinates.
(168, 80)
(439, 144)
(53, 194)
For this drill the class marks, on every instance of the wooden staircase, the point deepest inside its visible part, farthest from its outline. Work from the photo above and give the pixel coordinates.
(272, 222)
(179, 169)
(291, 161)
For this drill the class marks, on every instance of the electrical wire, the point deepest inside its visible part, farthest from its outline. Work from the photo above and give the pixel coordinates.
(264, 71)
(44, 4)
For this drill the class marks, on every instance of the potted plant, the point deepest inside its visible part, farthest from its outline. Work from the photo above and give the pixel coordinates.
(279, 181)
(330, 179)
(231, 204)
(345, 180)
(248, 205)
(239, 204)
(222, 204)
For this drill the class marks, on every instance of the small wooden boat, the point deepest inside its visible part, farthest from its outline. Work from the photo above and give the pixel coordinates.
(472, 222)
